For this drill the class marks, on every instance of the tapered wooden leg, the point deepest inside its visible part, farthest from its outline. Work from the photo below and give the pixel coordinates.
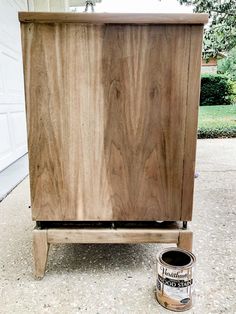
(40, 251)
(185, 240)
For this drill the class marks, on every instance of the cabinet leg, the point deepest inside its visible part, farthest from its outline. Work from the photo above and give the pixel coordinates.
(185, 240)
(40, 252)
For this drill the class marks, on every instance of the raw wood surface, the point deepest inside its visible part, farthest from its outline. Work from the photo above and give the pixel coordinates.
(107, 18)
(193, 96)
(112, 236)
(185, 240)
(108, 112)
(40, 251)
(43, 238)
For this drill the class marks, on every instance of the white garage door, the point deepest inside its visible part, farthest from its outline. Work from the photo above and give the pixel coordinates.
(12, 110)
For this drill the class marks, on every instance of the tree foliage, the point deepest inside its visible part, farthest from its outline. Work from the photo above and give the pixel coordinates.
(227, 65)
(221, 33)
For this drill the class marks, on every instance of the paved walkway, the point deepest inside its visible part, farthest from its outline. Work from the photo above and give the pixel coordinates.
(121, 278)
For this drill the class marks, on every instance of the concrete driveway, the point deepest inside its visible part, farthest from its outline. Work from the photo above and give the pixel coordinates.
(121, 278)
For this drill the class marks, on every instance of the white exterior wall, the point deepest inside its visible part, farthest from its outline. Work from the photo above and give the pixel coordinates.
(211, 69)
(13, 142)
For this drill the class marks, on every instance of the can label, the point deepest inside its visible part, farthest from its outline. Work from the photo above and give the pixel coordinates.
(174, 286)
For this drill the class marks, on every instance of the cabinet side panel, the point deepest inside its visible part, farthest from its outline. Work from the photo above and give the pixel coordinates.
(191, 120)
(145, 80)
(65, 121)
(106, 114)
(46, 109)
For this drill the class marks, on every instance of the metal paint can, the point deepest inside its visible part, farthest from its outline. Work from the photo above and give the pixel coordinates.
(175, 283)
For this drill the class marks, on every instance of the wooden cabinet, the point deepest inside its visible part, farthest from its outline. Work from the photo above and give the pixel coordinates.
(112, 104)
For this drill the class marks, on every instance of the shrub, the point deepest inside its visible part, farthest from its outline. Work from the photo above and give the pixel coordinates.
(220, 132)
(216, 90)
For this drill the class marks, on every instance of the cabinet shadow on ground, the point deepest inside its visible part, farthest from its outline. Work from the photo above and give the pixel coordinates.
(101, 257)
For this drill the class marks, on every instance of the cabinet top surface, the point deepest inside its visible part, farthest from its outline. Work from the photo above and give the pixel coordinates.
(114, 18)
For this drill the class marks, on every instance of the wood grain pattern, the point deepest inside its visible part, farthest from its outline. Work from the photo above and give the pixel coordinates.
(46, 237)
(104, 18)
(191, 121)
(185, 240)
(112, 236)
(145, 101)
(40, 251)
(108, 112)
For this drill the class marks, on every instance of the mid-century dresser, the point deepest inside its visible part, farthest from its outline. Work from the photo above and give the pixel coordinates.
(112, 107)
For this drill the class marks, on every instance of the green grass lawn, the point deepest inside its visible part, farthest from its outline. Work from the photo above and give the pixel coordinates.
(217, 121)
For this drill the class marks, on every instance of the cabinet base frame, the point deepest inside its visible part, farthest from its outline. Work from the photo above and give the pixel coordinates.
(42, 238)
